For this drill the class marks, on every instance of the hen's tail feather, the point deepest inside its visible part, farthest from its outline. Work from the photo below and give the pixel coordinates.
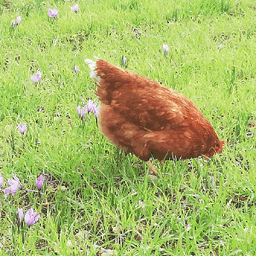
(109, 77)
(92, 66)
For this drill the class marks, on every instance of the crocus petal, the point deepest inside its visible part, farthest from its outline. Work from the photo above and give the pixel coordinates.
(124, 61)
(7, 190)
(76, 69)
(39, 75)
(165, 48)
(33, 78)
(10, 182)
(36, 218)
(31, 217)
(22, 128)
(1, 180)
(36, 77)
(90, 105)
(96, 111)
(53, 13)
(78, 109)
(20, 215)
(18, 20)
(14, 187)
(81, 111)
(40, 181)
(16, 178)
(74, 8)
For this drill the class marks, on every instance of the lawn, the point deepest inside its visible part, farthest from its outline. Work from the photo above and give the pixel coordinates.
(95, 199)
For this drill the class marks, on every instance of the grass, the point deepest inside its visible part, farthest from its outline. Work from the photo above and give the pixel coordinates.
(102, 202)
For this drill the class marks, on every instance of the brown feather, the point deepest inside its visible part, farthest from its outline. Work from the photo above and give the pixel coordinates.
(143, 117)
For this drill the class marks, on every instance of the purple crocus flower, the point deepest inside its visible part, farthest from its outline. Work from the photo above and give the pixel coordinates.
(76, 69)
(81, 111)
(1, 180)
(40, 181)
(22, 128)
(74, 8)
(18, 20)
(36, 77)
(31, 217)
(165, 48)
(53, 13)
(14, 185)
(96, 111)
(90, 105)
(20, 216)
(13, 22)
(124, 61)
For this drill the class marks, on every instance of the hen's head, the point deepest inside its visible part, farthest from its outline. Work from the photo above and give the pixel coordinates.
(216, 149)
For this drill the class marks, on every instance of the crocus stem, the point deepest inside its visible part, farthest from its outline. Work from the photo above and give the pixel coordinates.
(23, 236)
(12, 142)
(13, 237)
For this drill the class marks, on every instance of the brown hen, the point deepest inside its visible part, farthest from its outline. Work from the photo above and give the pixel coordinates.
(143, 117)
